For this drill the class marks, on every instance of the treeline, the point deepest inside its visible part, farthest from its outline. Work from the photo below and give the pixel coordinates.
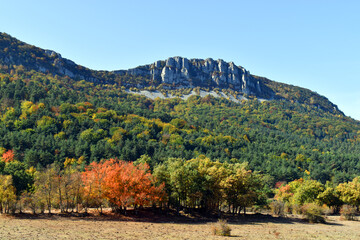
(177, 183)
(314, 199)
(199, 184)
(111, 183)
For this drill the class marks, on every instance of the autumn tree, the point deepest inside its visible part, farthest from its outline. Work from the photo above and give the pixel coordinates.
(307, 192)
(69, 185)
(46, 186)
(7, 194)
(121, 183)
(300, 192)
(331, 197)
(93, 181)
(350, 192)
(8, 156)
(126, 184)
(202, 183)
(242, 187)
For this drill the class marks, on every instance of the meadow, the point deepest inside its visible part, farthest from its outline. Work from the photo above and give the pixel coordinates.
(109, 226)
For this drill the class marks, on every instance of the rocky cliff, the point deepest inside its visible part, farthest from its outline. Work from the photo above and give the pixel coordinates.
(183, 72)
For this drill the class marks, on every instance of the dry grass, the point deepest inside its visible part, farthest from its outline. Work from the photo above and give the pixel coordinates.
(251, 227)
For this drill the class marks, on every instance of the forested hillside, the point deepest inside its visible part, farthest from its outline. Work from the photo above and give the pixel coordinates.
(47, 117)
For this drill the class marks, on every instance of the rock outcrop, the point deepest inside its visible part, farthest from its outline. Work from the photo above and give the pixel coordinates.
(183, 72)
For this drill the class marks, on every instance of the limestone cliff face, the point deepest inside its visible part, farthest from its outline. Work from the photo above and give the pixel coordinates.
(183, 72)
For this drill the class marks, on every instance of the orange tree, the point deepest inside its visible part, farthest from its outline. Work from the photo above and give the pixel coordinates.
(122, 183)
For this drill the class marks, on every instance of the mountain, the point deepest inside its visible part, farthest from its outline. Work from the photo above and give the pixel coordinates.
(174, 73)
(53, 111)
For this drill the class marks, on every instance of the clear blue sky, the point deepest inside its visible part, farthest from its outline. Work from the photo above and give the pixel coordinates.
(312, 44)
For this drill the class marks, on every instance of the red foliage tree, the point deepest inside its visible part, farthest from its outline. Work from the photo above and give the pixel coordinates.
(122, 183)
(8, 156)
(93, 181)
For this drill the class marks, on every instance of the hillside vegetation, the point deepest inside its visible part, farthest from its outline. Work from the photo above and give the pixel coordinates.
(47, 117)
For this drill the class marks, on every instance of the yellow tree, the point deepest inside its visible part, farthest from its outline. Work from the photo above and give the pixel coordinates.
(7, 194)
(46, 185)
(242, 187)
(350, 192)
(70, 185)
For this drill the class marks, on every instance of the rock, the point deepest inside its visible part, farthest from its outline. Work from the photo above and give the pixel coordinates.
(179, 71)
(51, 53)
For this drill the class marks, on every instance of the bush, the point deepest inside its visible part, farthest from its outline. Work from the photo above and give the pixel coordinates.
(277, 208)
(327, 210)
(296, 209)
(221, 228)
(348, 212)
(313, 213)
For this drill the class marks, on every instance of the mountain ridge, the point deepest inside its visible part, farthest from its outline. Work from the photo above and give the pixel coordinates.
(172, 73)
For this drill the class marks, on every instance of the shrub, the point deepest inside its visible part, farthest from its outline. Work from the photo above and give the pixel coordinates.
(348, 212)
(277, 208)
(221, 228)
(296, 209)
(327, 210)
(288, 208)
(313, 213)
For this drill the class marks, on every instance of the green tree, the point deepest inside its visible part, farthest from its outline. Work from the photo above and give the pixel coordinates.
(22, 179)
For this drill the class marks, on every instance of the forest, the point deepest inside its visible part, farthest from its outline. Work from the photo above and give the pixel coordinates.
(200, 153)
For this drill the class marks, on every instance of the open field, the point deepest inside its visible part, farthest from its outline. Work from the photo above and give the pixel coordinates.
(110, 227)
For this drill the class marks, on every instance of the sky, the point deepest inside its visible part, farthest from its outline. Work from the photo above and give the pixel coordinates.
(307, 43)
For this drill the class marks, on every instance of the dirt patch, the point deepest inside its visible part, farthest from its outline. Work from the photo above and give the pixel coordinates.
(164, 227)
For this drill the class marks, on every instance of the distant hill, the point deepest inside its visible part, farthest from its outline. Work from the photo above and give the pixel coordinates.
(53, 110)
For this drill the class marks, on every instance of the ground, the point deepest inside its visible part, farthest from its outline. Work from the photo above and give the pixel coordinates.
(120, 227)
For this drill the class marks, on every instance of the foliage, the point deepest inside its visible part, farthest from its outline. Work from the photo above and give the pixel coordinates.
(93, 178)
(330, 197)
(21, 177)
(202, 183)
(299, 192)
(45, 186)
(47, 117)
(8, 156)
(7, 194)
(122, 183)
(209, 152)
(350, 192)
(101, 122)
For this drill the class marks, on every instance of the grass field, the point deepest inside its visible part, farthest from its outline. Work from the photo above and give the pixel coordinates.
(119, 227)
